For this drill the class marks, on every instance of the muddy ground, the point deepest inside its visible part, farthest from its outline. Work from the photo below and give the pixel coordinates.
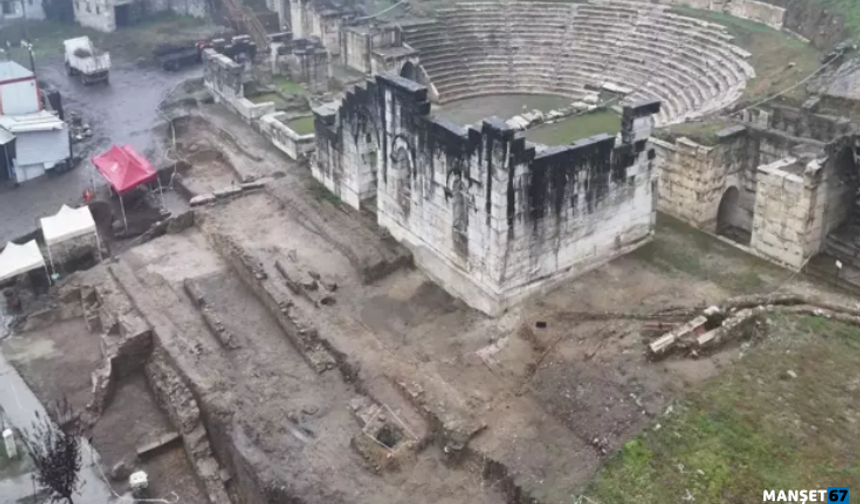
(542, 394)
(122, 112)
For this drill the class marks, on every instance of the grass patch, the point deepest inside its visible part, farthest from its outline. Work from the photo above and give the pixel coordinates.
(850, 11)
(704, 133)
(321, 193)
(679, 249)
(302, 125)
(772, 51)
(753, 428)
(286, 86)
(575, 128)
(133, 42)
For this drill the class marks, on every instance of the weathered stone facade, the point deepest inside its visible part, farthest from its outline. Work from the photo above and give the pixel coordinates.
(322, 19)
(373, 49)
(783, 194)
(293, 144)
(224, 78)
(489, 216)
(308, 63)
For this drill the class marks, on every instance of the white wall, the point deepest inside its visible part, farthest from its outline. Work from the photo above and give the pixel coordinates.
(486, 216)
(32, 9)
(284, 138)
(95, 14)
(19, 98)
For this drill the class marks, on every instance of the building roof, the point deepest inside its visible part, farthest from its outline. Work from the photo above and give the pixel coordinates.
(124, 168)
(18, 259)
(66, 224)
(10, 70)
(40, 121)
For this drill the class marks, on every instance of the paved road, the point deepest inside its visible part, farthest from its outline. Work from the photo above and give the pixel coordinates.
(122, 112)
(20, 407)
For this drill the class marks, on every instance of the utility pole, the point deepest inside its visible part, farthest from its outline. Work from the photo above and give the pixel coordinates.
(26, 28)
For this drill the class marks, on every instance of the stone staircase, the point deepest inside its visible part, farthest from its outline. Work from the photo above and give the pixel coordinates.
(480, 48)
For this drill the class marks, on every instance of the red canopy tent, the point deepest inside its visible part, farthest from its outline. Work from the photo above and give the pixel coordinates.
(124, 168)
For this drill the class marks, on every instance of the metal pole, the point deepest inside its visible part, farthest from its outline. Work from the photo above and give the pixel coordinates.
(26, 28)
(122, 208)
(32, 60)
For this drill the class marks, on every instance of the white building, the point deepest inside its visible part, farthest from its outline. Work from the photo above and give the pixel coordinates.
(19, 91)
(33, 144)
(13, 10)
(32, 140)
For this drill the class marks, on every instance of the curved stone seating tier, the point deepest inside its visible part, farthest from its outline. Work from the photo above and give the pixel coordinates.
(479, 48)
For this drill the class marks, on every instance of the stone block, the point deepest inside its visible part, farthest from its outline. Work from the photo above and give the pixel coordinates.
(202, 199)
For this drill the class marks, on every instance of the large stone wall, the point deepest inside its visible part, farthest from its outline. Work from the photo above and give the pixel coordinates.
(321, 19)
(488, 216)
(293, 144)
(373, 49)
(223, 77)
(791, 191)
(693, 177)
(789, 212)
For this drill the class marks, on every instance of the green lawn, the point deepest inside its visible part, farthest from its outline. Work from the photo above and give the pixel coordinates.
(286, 86)
(771, 50)
(754, 427)
(850, 10)
(302, 125)
(574, 128)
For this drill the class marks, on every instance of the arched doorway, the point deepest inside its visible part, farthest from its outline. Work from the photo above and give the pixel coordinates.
(730, 220)
(409, 72)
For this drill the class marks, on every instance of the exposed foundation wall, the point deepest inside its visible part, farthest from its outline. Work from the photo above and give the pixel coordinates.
(753, 10)
(488, 217)
(223, 77)
(293, 144)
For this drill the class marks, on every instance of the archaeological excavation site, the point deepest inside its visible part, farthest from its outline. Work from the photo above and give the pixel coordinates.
(501, 252)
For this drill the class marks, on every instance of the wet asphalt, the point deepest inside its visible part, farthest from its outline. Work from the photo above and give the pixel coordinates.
(123, 111)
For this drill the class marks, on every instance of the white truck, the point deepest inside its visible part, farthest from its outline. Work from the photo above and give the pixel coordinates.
(83, 60)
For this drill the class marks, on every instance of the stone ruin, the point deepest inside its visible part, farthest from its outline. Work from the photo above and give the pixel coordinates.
(782, 183)
(304, 60)
(489, 216)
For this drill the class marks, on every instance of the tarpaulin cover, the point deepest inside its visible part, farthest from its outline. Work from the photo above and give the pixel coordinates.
(17, 259)
(68, 223)
(124, 168)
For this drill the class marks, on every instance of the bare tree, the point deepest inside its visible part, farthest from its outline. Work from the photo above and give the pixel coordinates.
(55, 447)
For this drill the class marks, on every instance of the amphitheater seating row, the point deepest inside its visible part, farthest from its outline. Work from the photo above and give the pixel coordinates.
(478, 48)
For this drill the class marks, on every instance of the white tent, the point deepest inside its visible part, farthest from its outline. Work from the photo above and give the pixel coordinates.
(67, 224)
(18, 259)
